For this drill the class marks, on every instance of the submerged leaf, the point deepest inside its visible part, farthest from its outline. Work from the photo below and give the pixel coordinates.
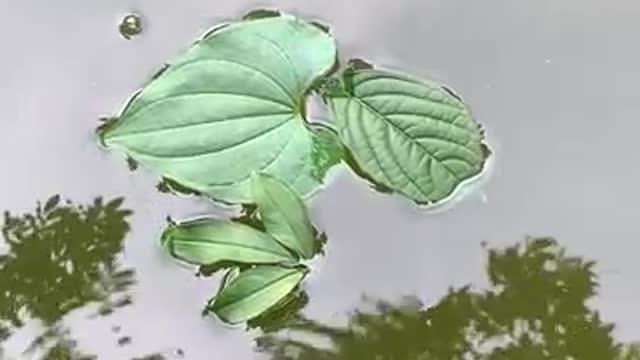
(408, 135)
(237, 97)
(283, 214)
(210, 241)
(254, 291)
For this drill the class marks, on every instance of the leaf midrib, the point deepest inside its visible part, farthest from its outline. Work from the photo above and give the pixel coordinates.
(410, 138)
(395, 160)
(197, 124)
(288, 222)
(193, 242)
(253, 138)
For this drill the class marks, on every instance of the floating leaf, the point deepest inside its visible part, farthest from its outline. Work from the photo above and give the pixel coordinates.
(255, 291)
(233, 104)
(283, 214)
(408, 135)
(209, 241)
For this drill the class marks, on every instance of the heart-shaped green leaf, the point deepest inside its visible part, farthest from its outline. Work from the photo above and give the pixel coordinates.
(283, 214)
(232, 104)
(211, 241)
(412, 136)
(254, 291)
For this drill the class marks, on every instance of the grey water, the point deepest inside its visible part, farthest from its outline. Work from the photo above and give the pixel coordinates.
(547, 241)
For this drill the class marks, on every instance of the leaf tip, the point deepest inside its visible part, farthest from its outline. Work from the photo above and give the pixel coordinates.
(359, 64)
(257, 14)
(323, 27)
(167, 234)
(103, 129)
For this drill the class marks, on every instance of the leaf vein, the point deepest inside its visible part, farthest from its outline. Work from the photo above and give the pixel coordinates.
(253, 138)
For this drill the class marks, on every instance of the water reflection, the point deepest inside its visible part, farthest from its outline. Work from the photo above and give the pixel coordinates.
(59, 258)
(535, 308)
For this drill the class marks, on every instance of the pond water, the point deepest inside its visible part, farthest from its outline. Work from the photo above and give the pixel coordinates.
(553, 82)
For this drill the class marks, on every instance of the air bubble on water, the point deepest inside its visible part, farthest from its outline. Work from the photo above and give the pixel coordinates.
(131, 26)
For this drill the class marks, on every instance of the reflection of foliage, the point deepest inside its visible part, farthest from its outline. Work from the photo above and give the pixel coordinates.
(60, 258)
(62, 351)
(178, 353)
(538, 304)
(535, 309)
(64, 347)
(151, 357)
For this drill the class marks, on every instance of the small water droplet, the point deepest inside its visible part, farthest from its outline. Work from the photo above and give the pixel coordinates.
(131, 26)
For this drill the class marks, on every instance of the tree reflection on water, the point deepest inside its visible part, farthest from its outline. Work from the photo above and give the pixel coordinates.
(535, 309)
(63, 257)
(60, 258)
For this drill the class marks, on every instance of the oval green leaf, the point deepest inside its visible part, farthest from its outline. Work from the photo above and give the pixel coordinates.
(255, 291)
(211, 241)
(283, 214)
(412, 136)
(232, 104)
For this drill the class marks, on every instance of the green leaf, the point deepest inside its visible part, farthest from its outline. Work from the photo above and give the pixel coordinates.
(408, 135)
(232, 104)
(255, 291)
(283, 214)
(211, 241)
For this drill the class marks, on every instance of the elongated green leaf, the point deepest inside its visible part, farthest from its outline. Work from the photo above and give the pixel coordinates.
(254, 291)
(210, 241)
(233, 104)
(283, 214)
(412, 136)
